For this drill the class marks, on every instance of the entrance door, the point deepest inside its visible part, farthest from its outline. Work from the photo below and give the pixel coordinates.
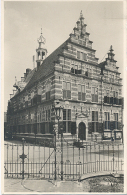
(82, 131)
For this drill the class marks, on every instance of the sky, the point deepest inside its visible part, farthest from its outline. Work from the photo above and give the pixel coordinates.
(23, 21)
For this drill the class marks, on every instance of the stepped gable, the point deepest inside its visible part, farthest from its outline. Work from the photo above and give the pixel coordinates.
(47, 66)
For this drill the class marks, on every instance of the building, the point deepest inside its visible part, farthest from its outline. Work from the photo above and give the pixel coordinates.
(69, 89)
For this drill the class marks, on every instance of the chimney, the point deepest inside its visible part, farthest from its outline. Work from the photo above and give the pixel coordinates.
(22, 79)
(33, 61)
(28, 70)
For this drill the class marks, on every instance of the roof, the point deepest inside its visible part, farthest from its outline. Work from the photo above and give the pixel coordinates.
(102, 64)
(47, 66)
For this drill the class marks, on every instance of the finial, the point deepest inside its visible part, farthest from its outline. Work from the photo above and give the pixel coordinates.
(111, 49)
(81, 15)
(41, 39)
(15, 80)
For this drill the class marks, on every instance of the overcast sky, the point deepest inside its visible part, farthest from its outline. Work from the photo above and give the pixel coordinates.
(22, 27)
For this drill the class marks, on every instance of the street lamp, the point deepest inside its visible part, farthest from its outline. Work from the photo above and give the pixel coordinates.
(54, 131)
(58, 109)
(101, 74)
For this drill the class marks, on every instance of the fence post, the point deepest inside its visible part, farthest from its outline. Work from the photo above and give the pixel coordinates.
(23, 158)
(62, 154)
(55, 152)
(113, 158)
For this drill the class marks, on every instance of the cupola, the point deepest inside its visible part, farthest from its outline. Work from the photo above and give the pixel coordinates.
(41, 51)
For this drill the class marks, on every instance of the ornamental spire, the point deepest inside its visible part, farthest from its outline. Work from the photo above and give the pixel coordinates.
(41, 39)
(81, 15)
(111, 49)
(111, 54)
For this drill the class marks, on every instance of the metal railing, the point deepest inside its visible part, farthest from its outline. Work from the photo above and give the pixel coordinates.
(63, 162)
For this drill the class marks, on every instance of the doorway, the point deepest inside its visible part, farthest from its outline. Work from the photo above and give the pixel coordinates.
(82, 131)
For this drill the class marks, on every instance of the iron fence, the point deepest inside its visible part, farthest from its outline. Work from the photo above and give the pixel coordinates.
(65, 161)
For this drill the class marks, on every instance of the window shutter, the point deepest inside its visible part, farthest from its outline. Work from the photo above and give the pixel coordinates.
(89, 127)
(92, 115)
(93, 98)
(51, 127)
(68, 94)
(64, 114)
(73, 128)
(96, 98)
(69, 114)
(83, 96)
(69, 127)
(105, 99)
(76, 71)
(111, 100)
(79, 88)
(64, 85)
(64, 126)
(96, 115)
(119, 126)
(64, 94)
(97, 125)
(79, 95)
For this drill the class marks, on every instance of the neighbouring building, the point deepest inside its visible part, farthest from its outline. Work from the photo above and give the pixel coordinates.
(69, 89)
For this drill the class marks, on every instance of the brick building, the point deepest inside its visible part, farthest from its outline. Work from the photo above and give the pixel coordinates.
(69, 88)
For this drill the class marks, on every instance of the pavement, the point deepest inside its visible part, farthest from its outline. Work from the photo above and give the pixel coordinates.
(40, 186)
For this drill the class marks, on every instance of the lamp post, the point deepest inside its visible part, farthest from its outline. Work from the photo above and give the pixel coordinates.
(61, 129)
(54, 131)
(101, 102)
(58, 109)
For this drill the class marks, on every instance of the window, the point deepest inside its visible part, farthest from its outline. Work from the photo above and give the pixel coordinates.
(66, 90)
(78, 54)
(115, 120)
(83, 56)
(67, 120)
(94, 121)
(94, 94)
(115, 94)
(107, 120)
(81, 92)
(75, 70)
(47, 115)
(112, 78)
(47, 90)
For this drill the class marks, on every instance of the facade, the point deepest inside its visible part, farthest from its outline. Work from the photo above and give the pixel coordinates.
(69, 89)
